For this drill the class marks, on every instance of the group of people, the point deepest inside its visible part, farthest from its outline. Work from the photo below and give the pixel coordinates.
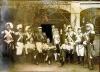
(66, 45)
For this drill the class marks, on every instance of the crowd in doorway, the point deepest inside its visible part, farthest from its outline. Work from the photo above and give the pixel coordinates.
(67, 46)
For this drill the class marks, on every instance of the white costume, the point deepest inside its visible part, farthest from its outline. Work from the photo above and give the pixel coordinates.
(79, 45)
(19, 47)
(67, 47)
(19, 44)
(8, 33)
(56, 37)
(70, 47)
(80, 50)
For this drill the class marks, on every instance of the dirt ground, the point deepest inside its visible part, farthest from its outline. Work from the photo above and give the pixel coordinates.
(47, 68)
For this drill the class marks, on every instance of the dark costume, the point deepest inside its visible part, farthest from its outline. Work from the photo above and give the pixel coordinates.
(63, 54)
(39, 46)
(89, 49)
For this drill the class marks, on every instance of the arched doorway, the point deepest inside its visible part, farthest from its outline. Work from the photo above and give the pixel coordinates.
(53, 17)
(90, 15)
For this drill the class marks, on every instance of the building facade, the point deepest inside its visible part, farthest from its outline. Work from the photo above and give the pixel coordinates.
(76, 13)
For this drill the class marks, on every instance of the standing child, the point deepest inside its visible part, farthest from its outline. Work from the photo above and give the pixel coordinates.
(79, 46)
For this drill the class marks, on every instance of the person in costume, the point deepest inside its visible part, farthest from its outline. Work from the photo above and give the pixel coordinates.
(71, 37)
(89, 46)
(8, 38)
(56, 38)
(19, 40)
(79, 46)
(39, 44)
(29, 44)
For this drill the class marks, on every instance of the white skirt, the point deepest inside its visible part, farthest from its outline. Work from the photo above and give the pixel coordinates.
(19, 48)
(80, 50)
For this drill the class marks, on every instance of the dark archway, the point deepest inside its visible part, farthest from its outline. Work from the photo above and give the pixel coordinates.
(46, 28)
(53, 17)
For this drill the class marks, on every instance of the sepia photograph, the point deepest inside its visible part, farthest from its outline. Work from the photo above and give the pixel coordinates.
(49, 36)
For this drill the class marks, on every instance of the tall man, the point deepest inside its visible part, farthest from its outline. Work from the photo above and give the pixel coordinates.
(8, 37)
(70, 35)
(29, 44)
(19, 40)
(89, 38)
(39, 44)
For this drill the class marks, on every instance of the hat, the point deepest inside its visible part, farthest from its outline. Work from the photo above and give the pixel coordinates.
(19, 26)
(10, 24)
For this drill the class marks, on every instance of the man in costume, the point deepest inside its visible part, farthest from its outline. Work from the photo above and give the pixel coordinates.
(29, 44)
(8, 37)
(70, 36)
(89, 47)
(39, 44)
(19, 40)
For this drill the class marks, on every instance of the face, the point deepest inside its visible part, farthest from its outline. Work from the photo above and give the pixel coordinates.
(65, 41)
(70, 29)
(44, 34)
(48, 40)
(79, 30)
(20, 29)
(69, 39)
(61, 31)
(8, 27)
(31, 40)
(53, 26)
(40, 30)
(88, 28)
(64, 25)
